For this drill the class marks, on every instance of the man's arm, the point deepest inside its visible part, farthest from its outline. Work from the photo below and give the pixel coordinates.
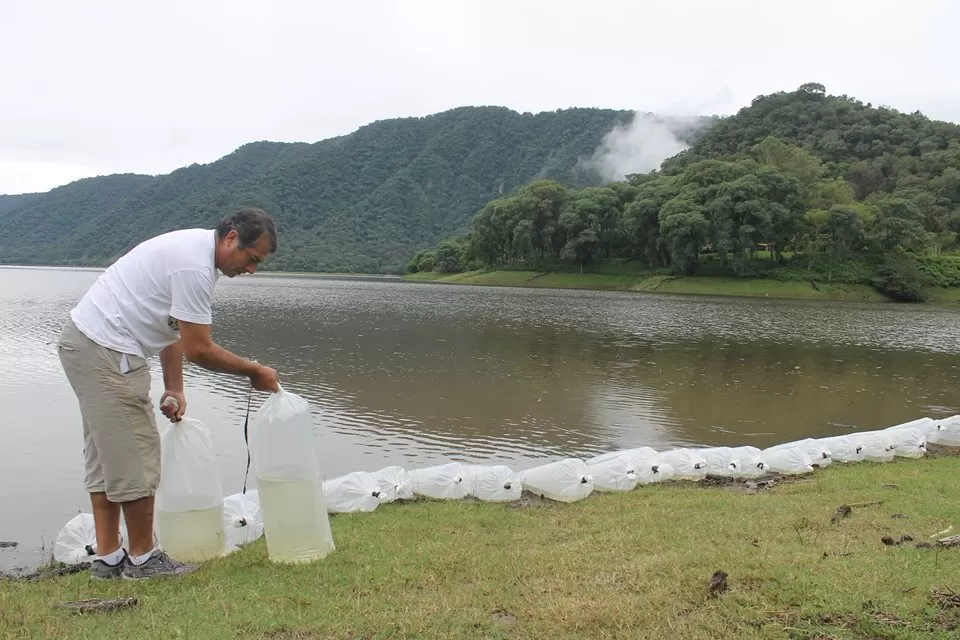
(171, 359)
(198, 346)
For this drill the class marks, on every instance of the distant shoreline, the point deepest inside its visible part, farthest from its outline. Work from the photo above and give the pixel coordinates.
(726, 286)
(679, 285)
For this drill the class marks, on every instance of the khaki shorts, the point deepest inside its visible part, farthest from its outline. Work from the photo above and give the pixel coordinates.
(121, 443)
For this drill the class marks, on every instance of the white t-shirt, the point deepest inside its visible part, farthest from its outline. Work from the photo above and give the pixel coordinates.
(134, 306)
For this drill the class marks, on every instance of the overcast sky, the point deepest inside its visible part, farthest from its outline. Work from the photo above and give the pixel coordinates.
(92, 88)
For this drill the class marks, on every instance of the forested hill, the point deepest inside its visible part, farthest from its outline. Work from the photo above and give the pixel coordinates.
(876, 149)
(800, 185)
(8, 203)
(362, 202)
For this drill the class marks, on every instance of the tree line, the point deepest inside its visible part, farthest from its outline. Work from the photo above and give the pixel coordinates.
(884, 208)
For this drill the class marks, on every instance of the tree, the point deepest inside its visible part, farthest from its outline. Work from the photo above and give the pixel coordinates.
(814, 88)
(684, 228)
(897, 226)
(448, 257)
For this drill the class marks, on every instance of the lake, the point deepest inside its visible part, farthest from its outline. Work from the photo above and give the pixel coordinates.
(418, 374)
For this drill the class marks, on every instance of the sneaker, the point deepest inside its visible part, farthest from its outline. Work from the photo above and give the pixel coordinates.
(100, 570)
(158, 565)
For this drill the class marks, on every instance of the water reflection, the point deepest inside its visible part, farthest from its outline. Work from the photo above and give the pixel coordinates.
(413, 374)
(486, 373)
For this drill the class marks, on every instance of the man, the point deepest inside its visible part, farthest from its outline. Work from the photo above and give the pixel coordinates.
(155, 300)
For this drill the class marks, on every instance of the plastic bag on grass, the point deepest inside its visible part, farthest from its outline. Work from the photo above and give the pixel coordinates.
(910, 443)
(688, 464)
(395, 484)
(189, 501)
(647, 463)
(613, 473)
(655, 473)
(77, 541)
(949, 432)
(721, 461)
(751, 465)
(495, 483)
(565, 480)
(843, 448)
(820, 456)
(443, 482)
(876, 446)
(356, 491)
(242, 520)
(289, 480)
(787, 460)
(929, 427)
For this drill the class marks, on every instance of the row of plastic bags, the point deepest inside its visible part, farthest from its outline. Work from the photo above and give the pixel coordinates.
(572, 479)
(564, 480)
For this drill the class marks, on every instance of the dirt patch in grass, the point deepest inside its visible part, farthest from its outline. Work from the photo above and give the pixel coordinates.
(747, 485)
(871, 622)
(529, 499)
(284, 633)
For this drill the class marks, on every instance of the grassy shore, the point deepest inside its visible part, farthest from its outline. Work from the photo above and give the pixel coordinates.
(698, 285)
(626, 565)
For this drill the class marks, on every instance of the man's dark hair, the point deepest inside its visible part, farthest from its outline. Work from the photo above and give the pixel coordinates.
(250, 223)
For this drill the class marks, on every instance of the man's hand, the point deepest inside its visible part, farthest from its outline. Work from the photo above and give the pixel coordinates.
(173, 404)
(265, 379)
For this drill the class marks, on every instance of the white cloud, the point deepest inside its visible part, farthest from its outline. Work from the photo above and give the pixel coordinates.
(32, 177)
(130, 87)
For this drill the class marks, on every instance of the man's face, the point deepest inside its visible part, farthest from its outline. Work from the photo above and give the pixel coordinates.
(236, 260)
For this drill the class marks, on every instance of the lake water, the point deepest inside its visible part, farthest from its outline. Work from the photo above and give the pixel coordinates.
(418, 374)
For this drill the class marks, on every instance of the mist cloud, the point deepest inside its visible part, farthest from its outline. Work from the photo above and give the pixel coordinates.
(639, 146)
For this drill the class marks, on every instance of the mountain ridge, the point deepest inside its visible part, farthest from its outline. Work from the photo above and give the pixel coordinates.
(359, 202)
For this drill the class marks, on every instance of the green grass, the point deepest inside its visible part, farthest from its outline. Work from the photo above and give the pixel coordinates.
(944, 295)
(691, 285)
(626, 565)
(766, 288)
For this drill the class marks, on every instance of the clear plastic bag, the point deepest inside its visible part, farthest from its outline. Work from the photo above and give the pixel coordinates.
(493, 483)
(189, 501)
(820, 455)
(910, 443)
(565, 480)
(928, 426)
(688, 464)
(77, 541)
(721, 461)
(395, 484)
(790, 460)
(876, 446)
(613, 473)
(289, 482)
(750, 464)
(949, 432)
(442, 482)
(843, 448)
(353, 492)
(647, 463)
(659, 472)
(242, 519)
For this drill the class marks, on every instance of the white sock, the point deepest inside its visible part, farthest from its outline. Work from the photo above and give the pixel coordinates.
(112, 558)
(138, 560)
